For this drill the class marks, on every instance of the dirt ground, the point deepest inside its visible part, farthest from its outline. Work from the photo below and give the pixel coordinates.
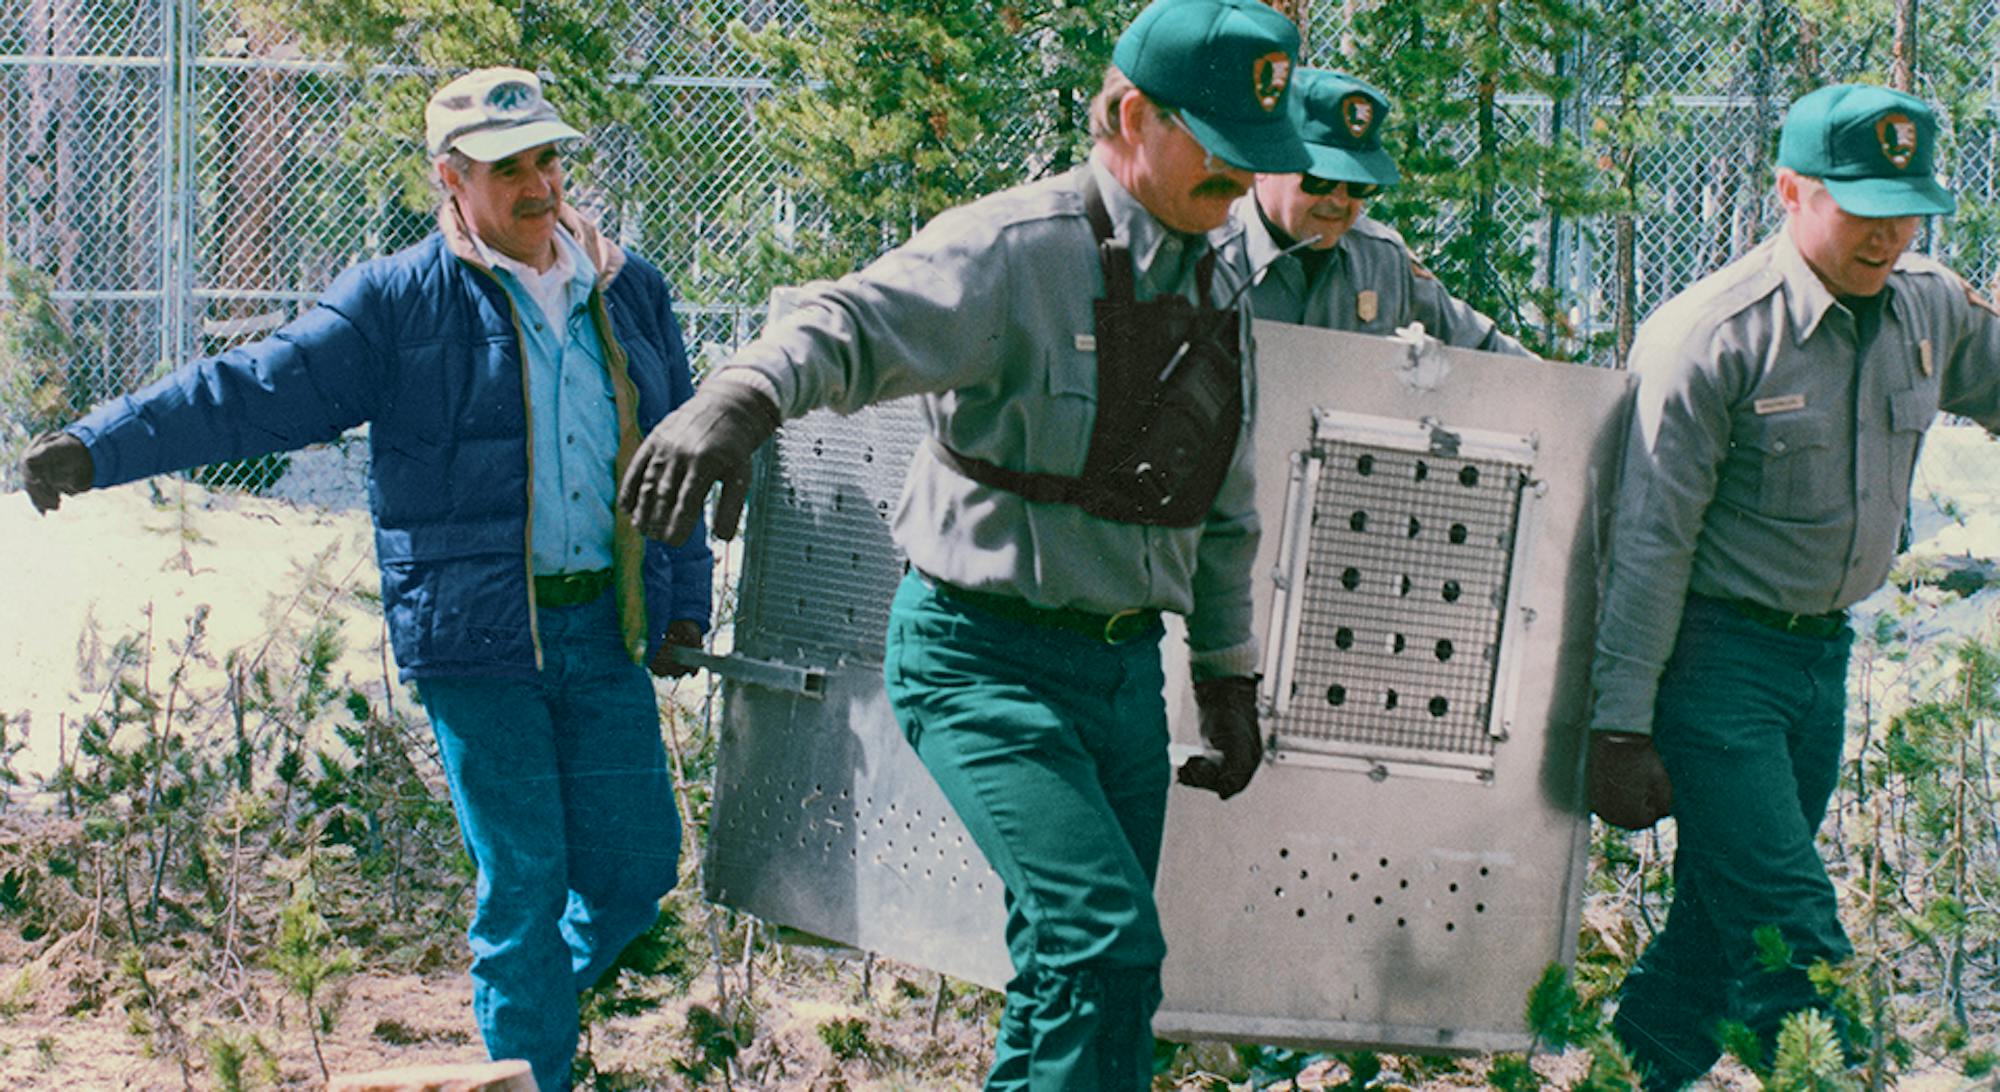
(73, 1018)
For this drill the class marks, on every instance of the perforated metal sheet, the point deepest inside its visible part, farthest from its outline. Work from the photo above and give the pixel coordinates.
(823, 820)
(822, 569)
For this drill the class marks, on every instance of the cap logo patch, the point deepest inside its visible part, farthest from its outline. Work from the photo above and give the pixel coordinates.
(508, 98)
(1268, 76)
(1897, 135)
(1358, 114)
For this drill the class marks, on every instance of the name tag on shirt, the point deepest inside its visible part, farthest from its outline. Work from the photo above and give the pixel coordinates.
(1784, 403)
(1924, 362)
(1086, 343)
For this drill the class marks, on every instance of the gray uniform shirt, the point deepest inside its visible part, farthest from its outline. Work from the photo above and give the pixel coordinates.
(1769, 459)
(1372, 284)
(987, 313)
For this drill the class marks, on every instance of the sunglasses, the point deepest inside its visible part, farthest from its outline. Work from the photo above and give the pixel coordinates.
(1316, 186)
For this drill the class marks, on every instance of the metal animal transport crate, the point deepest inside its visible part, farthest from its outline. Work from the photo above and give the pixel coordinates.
(1411, 858)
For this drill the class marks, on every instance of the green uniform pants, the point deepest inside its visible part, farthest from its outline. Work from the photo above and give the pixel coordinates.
(1749, 722)
(1052, 747)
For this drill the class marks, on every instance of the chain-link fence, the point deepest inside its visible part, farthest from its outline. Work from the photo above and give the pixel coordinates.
(181, 180)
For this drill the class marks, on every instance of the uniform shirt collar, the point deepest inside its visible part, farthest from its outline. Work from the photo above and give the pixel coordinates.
(1807, 298)
(1263, 250)
(1142, 232)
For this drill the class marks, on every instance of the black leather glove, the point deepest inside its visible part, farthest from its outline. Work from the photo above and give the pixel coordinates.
(1629, 786)
(681, 633)
(708, 440)
(56, 463)
(1228, 724)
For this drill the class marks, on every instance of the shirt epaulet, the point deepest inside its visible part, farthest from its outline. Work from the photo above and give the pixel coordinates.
(1718, 298)
(1367, 227)
(1950, 280)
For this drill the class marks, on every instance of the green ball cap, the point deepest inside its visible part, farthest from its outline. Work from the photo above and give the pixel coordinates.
(1341, 119)
(1871, 146)
(1226, 66)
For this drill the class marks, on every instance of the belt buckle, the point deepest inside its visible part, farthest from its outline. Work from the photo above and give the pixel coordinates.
(1112, 626)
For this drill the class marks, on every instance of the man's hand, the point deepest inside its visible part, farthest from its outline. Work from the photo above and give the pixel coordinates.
(681, 633)
(56, 463)
(708, 440)
(1629, 786)
(1229, 724)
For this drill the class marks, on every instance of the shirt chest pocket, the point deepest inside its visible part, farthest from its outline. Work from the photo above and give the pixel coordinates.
(1071, 389)
(1912, 410)
(1790, 462)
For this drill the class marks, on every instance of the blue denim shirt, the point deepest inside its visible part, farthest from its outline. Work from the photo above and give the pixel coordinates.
(574, 424)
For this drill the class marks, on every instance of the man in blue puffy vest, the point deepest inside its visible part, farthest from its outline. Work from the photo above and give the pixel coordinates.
(507, 366)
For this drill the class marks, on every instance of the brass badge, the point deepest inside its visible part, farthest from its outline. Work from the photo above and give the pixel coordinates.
(1366, 305)
(1897, 135)
(1268, 77)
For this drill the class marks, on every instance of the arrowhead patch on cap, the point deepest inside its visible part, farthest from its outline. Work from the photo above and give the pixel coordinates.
(1358, 114)
(1898, 136)
(1269, 75)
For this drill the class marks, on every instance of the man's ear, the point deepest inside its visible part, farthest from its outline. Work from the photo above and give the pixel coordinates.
(1790, 184)
(1133, 110)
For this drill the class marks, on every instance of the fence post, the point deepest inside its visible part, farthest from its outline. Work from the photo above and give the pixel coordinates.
(177, 180)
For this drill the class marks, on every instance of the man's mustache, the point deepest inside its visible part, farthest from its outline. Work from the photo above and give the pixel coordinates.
(534, 208)
(1220, 185)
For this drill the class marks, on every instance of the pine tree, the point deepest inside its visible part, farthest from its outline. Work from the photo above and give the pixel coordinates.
(887, 114)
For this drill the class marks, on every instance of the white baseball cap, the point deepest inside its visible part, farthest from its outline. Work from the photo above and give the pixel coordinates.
(490, 114)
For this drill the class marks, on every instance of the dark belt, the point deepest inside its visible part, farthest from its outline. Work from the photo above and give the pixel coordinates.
(571, 589)
(1821, 626)
(1112, 629)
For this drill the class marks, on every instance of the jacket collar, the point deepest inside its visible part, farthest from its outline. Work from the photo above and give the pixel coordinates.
(604, 254)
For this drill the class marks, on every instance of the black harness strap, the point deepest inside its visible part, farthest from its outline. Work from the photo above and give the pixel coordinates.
(1133, 390)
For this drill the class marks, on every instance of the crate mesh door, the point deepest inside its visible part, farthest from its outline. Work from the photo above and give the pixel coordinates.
(1400, 540)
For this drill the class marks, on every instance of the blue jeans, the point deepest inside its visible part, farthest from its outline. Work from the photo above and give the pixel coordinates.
(1052, 748)
(1749, 723)
(567, 810)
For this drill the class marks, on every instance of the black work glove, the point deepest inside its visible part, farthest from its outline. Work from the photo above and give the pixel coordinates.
(681, 633)
(708, 440)
(1228, 724)
(1629, 786)
(56, 463)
